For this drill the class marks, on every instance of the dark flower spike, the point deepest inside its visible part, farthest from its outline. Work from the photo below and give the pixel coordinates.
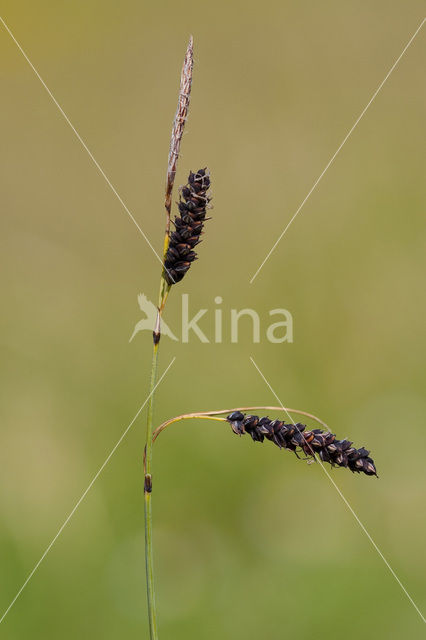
(192, 206)
(339, 453)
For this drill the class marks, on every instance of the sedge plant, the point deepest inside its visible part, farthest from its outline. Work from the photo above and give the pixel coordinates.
(317, 444)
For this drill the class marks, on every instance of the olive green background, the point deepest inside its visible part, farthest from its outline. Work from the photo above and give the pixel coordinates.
(249, 542)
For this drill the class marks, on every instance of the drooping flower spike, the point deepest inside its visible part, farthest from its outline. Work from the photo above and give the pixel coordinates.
(296, 437)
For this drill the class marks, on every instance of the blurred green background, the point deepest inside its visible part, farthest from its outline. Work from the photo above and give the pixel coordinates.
(249, 542)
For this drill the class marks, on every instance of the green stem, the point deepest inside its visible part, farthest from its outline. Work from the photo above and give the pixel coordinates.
(149, 559)
(149, 554)
(152, 614)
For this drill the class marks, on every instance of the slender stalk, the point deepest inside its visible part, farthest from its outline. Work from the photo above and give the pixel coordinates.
(149, 555)
(215, 415)
(152, 612)
(149, 564)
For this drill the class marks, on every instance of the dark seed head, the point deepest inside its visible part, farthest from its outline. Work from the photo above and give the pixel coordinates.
(188, 227)
(313, 442)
